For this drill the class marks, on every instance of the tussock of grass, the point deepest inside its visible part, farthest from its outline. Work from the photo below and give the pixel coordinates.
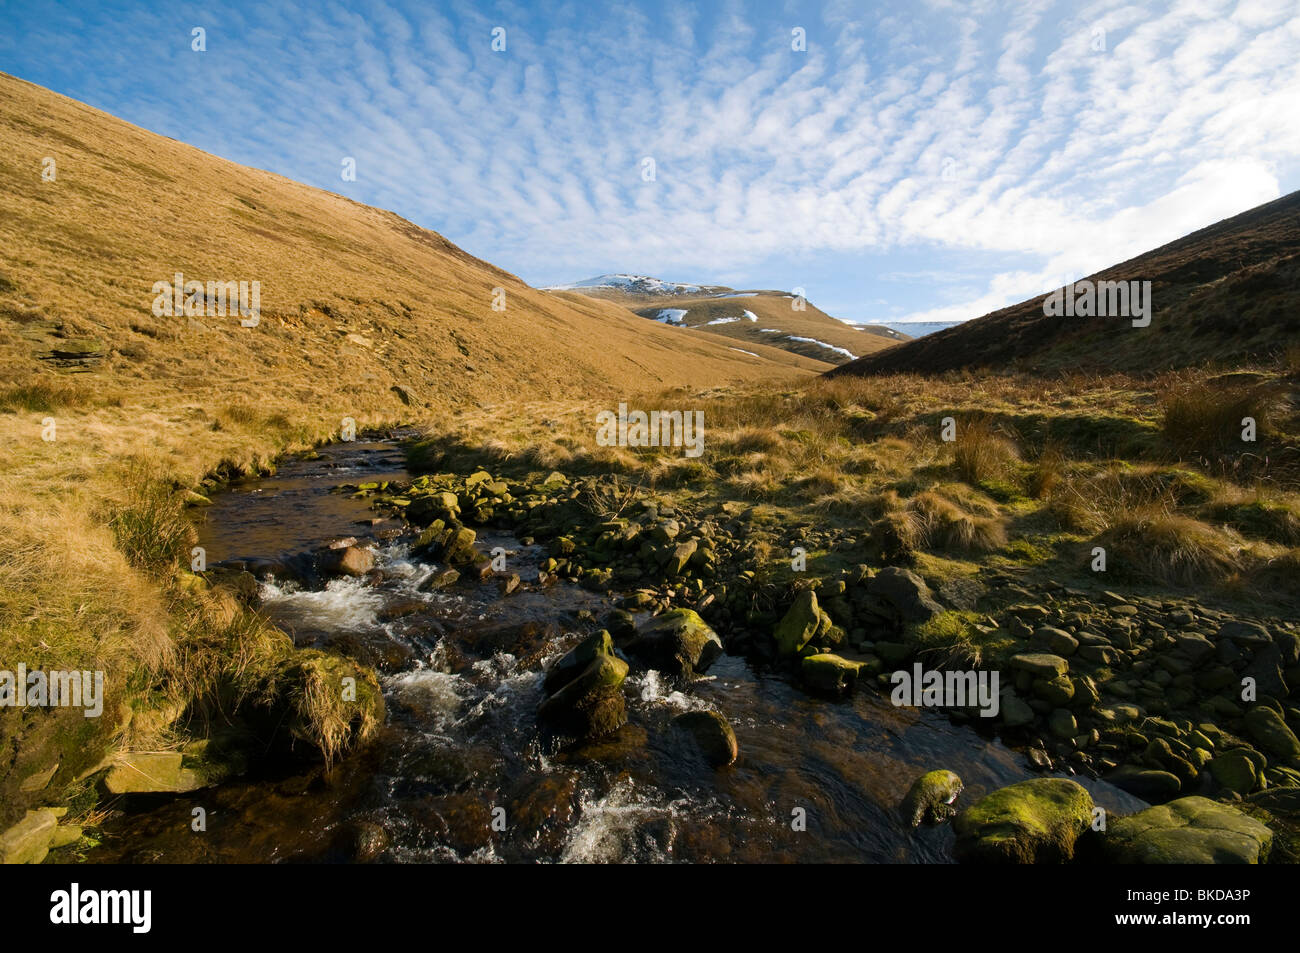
(150, 525)
(1206, 417)
(981, 452)
(1169, 548)
(43, 395)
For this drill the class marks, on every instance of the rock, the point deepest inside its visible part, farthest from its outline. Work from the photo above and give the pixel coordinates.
(459, 547)
(680, 556)
(1266, 669)
(930, 797)
(678, 643)
(799, 624)
(714, 735)
(439, 579)
(827, 672)
(569, 665)
(28, 841)
(1195, 647)
(1062, 724)
(1248, 633)
(1040, 664)
(347, 561)
(141, 772)
(1058, 640)
(1034, 821)
(906, 592)
(590, 703)
(1015, 713)
(1266, 727)
(65, 835)
(425, 510)
(404, 393)
(1235, 771)
(509, 584)
(1190, 830)
(1150, 785)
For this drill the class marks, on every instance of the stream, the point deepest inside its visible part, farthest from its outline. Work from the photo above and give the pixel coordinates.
(461, 669)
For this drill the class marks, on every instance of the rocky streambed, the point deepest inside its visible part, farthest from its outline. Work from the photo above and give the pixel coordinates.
(573, 671)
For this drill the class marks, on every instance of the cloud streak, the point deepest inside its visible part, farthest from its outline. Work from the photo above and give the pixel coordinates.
(1060, 138)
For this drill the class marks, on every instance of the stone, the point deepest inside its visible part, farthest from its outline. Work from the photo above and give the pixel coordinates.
(347, 561)
(1040, 664)
(143, 772)
(680, 556)
(28, 841)
(798, 625)
(1150, 785)
(713, 734)
(1235, 771)
(930, 797)
(439, 579)
(827, 672)
(1270, 732)
(1058, 640)
(1062, 724)
(591, 703)
(1034, 821)
(1015, 713)
(1190, 830)
(906, 592)
(678, 643)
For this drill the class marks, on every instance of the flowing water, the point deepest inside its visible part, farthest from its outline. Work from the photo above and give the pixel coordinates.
(462, 671)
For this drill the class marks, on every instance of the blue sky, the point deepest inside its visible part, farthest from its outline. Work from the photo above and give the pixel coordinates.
(921, 160)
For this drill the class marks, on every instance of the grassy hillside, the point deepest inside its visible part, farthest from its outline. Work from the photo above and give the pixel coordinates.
(110, 414)
(1226, 294)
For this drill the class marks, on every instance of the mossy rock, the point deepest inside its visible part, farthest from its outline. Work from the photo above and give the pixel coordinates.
(800, 623)
(829, 673)
(591, 704)
(1035, 821)
(678, 643)
(713, 734)
(930, 797)
(1190, 830)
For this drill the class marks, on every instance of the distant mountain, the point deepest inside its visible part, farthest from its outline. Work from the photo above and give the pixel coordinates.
(1222, 295)
(754, 318)
(640, 285)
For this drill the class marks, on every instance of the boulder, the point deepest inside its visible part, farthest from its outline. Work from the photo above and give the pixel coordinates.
(347, 561)
(1040, 664)
(1150, 785)
(1190, 830)
(678, 643)
(1266, 727)
(1034, 821)
(584, 690)
(1235, 771)
(930, 797)
(28, 841)
(714, 735)
(800, 623)
(142, 772)
(906, 593)
(827, 672)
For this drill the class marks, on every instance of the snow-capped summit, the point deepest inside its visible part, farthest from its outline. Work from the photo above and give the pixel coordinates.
(631, 284)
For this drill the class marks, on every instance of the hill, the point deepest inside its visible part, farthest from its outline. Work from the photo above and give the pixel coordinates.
(1223, 295)
(752, 318)
(352, 298)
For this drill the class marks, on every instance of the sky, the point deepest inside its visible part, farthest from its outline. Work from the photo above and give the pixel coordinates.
(923, 160)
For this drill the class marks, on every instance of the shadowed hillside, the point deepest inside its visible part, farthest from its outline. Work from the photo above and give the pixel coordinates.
(1225, 294)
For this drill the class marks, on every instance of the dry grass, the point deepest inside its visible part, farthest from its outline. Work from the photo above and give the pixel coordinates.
(1168, 548)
